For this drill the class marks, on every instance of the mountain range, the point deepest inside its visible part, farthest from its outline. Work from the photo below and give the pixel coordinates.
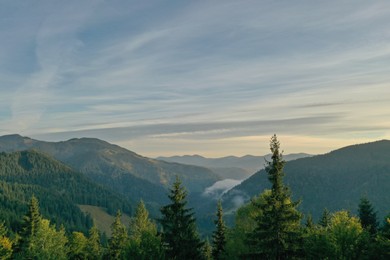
(90, 173)
(230, 167)
(118, 169)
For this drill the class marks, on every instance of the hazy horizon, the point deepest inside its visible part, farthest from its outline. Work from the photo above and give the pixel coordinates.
(213, 78)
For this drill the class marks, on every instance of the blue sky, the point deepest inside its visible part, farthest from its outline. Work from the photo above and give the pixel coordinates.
(197, 77)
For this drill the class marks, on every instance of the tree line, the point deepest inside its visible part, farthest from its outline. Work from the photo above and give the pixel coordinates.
(269, 227)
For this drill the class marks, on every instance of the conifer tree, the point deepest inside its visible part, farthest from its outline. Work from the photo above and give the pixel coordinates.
(78, 246)
(32, 217)
(118, 240)
(31, 222)
(47, 242)
(141, 222)
(325, 218)
(5, 243)
(94, 247)
(180, 236)
(309, 222)
(207, 253)
(219, 235)
(367, 216)
(145, 243)
(278, 232)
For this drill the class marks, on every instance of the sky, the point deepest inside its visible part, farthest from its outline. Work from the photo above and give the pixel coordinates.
(214, 78)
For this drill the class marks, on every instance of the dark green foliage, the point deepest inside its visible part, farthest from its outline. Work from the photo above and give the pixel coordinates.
(343, 238)
(144, 242)
(78, 246)
(39, 239)
(244, 224)
(31, 222)
(118, 169)
(325, 218)
(278, 232)
(207, 253)
(5, 243)
(367, 216)
(47, 242)
(335, 180)
(309, 222)
(119, 238)
(380, 245)
(94, 248)
(179, 230)
(57, 186)
(219, 235)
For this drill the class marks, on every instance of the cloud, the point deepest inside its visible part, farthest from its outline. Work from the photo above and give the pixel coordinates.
(194, 71)
(220, 187)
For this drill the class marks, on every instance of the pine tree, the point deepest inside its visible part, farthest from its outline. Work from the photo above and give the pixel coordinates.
(325, 218)
(207, 253)
(78, 246)
(309, 222)
(32, 217)
(219, 235)
(47, 242)
(278, 232)
(141, 222)
(5, 243)
(367, 216)
(180, 236)
(31, 222)
(94, 247)
(118, 240)
(145, 243)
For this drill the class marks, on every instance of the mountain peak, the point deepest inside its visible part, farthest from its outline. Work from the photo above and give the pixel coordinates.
(11, 137)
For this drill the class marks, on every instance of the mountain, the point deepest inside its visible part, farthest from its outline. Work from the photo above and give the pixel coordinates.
(117, 168)
(58, 188)
(230, 167)
(336, 180)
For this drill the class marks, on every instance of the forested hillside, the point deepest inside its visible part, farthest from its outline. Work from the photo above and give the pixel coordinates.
(335, 180)
(270, 226)
(231, 167)
(134, 176)
(57, 186)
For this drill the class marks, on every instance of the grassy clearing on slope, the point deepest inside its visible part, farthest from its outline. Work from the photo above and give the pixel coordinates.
(102, 219)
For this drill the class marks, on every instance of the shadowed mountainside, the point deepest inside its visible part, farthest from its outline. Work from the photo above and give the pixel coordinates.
(230, 167)
(118, 169)
(58, 188)
(336, 180)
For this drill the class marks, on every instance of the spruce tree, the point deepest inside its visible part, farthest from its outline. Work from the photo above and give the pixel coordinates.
(367, 216)
(145, 243)
(219, 235)
(180, 237)
(94, 247)
(140, 222)
(207, 253)
(309, 222)
(278, 232)
(325, 218)
(5, 243)
(31, 222)
(47, 242)
(118, 240)
(78, 246)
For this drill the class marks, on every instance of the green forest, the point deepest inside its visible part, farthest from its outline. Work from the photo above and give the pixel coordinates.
(270, 226)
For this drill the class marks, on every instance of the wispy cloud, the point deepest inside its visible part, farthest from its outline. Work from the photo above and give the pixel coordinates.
(200, 70)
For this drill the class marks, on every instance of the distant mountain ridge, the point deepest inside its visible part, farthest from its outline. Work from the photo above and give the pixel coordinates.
(117, 168)
(230, 167)
(336, 180)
